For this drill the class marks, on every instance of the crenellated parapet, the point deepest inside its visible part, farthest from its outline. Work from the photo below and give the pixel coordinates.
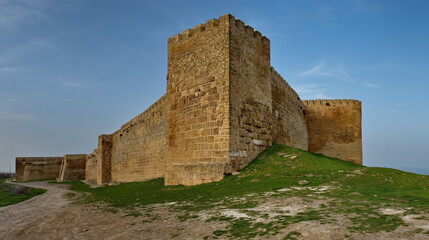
(332, 101)
(289, 123)
(225, 20)
(188, 33)
(276, 76)
(148, 113)
(250, 31)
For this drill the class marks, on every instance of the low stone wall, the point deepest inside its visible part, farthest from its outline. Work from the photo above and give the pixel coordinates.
(72, 167)
(33, 168)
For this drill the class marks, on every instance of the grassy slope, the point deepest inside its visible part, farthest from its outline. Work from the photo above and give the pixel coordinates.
(355, 192)
(270, 172)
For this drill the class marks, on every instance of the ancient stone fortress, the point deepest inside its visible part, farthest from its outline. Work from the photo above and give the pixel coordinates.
(224, 105)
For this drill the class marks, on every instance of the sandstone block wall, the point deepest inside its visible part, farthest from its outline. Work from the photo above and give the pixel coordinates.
(99, 163)
(193, 174)
(198, 95)
(91, 167)
(104, 159)
(250, 94)
(33, 168)
(334, 128)
(138, 148)
(72, 167)
(289, 122)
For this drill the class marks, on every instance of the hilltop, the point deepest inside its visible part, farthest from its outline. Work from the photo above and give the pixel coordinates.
(284, 193)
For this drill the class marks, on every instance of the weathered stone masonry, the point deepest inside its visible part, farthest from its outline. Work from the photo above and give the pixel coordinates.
(334, 128)
(66, 168)
(32, 168)
(224, 105)
(72, 167)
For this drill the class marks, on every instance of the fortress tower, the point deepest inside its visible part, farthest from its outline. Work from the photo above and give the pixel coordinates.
(224, 105)
(218, 80)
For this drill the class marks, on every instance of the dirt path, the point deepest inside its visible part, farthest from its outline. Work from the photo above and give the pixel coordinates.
(50, 216)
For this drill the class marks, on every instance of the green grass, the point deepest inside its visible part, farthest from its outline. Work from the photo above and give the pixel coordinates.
(37, 180)
(292, 235)
(354, 189)
(10, 194)
(70, 195)
(275, 172)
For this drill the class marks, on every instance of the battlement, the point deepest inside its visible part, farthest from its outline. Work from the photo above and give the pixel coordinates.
(38, 159)
(332, 101)
(276, 75)
(148, 112)
(225, 20)
(249, 30)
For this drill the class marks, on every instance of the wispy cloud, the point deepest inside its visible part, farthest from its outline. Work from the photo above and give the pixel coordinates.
(8, 111)
(312, 71)
(14, 13)
(370, 85)
(311, 91)
(75, 84)
(394, 108)
(11, 55)
(17, 13)
(392, 111)
(396, 104)
(5, 70)
(367, 5)
(13, 116)
(338, 72)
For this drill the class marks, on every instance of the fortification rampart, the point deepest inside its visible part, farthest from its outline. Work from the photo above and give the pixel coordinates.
(224, 105)
(289, 123)
(138, 147)
(91, 167)
(33, 168)
(334, 128)
(72, 167)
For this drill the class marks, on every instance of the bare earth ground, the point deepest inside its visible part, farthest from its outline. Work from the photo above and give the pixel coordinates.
(52, 216)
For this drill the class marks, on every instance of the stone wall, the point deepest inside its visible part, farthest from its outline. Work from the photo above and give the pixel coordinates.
(72, 167)
(289, 123)
(334, 128)
(138, 148)
(33, 168)
(104, 159)
(198, 95)
(91, 168)
(250, 94)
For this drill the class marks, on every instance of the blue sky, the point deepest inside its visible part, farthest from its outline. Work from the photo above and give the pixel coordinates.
(72, 70)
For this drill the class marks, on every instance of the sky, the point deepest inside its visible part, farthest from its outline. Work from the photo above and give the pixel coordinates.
(71, 70)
